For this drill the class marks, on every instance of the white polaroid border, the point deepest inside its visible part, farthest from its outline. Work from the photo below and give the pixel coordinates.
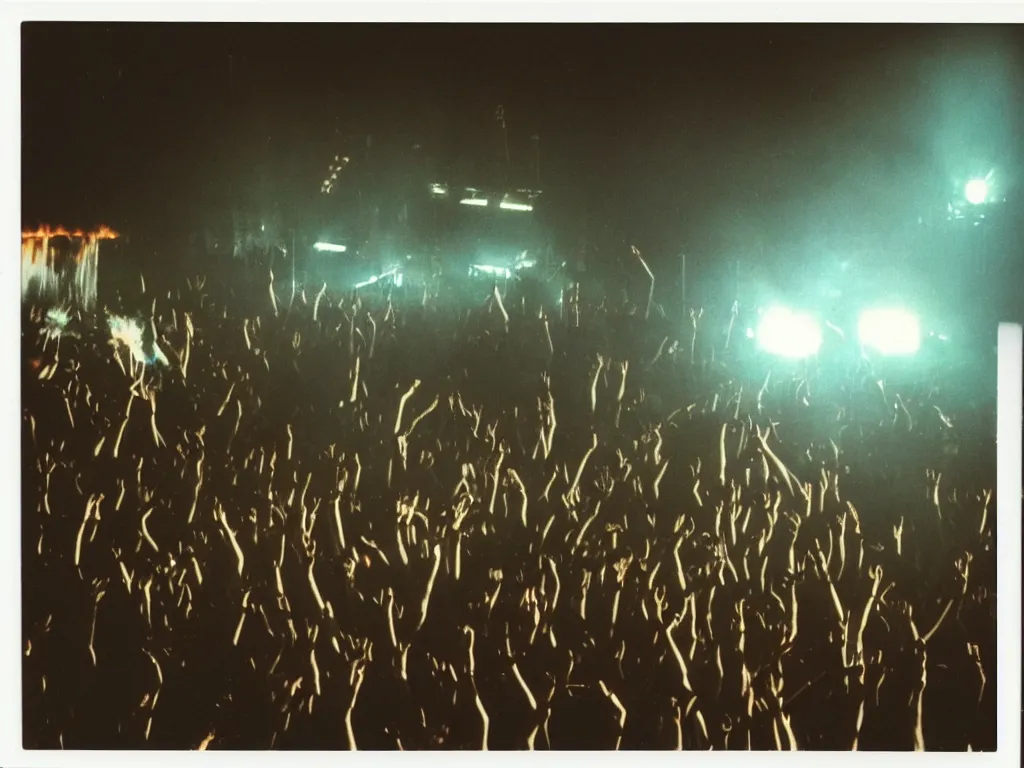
(1008, 537)
(502, 11)
(1009, 440)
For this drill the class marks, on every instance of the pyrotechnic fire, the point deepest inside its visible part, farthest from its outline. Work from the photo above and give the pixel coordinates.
(42, 267)
(105, 233)
(46, 231)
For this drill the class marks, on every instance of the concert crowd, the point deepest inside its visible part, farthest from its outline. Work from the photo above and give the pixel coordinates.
(303, 519)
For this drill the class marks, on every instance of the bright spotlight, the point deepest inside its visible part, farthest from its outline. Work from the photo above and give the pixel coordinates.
(890, 331)
(329, 248)
(789, 334)
(479, 201)
(976, 191)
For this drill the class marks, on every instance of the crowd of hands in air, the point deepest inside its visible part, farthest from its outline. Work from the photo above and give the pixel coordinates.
(384, 521)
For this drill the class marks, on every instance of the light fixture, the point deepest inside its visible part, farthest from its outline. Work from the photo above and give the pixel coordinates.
(511, 205)
(889, 332)
(329, 248)
(478, 201)
(786, 333)
(439, 190)
(976, 191)
(489, 269)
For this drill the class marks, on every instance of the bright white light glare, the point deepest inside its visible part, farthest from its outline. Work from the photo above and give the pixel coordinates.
(510, 206)
(329, 248)
(57, 317)
(439, 189)
(526, 264)
(398, 279)
(976, 191)
(889, 331)
(481, 201)
(750, 333)
(489, 269)
(56, 322)
(127, 331)
(789, 334)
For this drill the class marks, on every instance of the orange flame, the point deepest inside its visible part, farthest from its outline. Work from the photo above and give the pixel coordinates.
(46, 231)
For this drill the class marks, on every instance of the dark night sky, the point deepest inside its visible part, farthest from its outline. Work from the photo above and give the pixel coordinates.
(699, 135)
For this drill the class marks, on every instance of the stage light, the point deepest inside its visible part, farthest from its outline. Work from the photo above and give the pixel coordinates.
(889, 332)
(789, 334)
(439, 190)
(489, 269)
(976, 191)
(478, 201)
(329, 248)
(508, 205)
